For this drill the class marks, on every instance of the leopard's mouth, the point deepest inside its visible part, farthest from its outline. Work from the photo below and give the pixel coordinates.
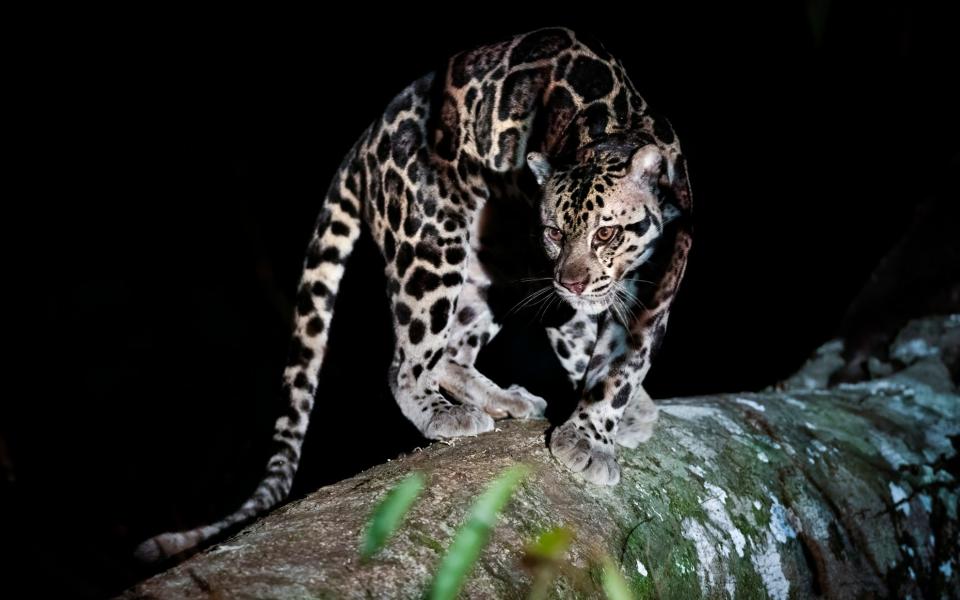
(592, 304)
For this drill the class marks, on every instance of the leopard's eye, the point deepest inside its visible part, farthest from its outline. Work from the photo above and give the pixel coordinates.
(605, 234)
(553, 234)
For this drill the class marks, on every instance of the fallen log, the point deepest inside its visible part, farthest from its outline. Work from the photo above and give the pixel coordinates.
(802, 490)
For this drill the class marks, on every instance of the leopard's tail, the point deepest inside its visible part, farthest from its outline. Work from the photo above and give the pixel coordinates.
(338, 228)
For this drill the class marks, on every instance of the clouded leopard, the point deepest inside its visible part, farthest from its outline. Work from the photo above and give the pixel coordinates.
(546, 125)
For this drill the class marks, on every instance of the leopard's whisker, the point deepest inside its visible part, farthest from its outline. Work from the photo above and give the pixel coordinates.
(629, 304)
(626, 322)
(529, 298)
(547, 306)
(625, 301)
(622, 315)
(539, 304)
(620, 288)
(625, 313)
(531, 279)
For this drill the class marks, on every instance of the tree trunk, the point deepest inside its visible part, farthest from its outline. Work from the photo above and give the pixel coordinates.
(802, 490)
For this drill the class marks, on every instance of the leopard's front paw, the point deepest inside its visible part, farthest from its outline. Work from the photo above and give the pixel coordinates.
(457, 421)
(593, 460)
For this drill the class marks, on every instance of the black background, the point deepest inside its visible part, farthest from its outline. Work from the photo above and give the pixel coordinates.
(173, 166)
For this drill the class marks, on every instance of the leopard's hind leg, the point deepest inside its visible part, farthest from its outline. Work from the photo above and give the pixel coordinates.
(427, 274)
(639, 418)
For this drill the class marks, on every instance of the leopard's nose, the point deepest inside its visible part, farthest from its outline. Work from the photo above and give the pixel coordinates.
(576, 287)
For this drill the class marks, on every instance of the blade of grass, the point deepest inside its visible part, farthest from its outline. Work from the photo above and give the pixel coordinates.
(389, 513)
(473, 535)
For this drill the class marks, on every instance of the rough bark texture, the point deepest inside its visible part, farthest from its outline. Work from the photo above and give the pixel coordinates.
(803, 490)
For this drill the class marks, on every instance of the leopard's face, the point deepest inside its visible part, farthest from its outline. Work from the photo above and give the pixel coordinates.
(601, 220)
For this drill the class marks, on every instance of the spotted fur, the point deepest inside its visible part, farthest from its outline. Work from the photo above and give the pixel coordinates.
(607, 178)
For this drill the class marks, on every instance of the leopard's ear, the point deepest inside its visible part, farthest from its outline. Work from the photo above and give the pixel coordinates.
(645, 165)
(540, 166)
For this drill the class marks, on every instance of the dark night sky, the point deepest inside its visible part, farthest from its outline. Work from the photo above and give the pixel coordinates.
(176, 165)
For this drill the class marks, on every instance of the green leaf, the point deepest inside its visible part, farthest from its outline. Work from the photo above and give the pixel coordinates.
(544, 556)
(614, 585)
(551, 545)
(389, 513)
(473, 535)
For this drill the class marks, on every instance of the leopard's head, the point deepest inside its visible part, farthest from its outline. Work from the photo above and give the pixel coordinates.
(602, 216)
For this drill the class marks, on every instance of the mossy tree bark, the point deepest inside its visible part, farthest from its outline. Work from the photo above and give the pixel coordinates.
(846, 491)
